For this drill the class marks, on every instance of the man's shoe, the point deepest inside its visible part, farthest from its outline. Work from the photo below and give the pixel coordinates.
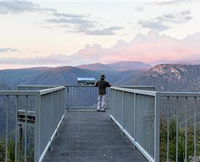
(102, 110)
(98, 110)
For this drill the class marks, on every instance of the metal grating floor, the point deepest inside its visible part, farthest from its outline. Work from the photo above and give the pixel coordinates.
(91, 137)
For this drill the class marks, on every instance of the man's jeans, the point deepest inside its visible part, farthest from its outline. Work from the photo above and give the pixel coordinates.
(101, 102)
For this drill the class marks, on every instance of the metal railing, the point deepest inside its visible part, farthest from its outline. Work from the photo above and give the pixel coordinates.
(136, 112)
(83, 96)
(49, 116)
(34, 87)
(164, 126)
(148, 88)
(180, 127)
(31, 119)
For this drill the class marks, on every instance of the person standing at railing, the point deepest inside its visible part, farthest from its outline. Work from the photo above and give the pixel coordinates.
(102, 84)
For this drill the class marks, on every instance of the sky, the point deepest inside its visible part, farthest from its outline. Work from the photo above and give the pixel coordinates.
(73, 32)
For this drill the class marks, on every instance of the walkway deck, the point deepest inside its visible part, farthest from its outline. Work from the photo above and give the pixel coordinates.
(91, 137)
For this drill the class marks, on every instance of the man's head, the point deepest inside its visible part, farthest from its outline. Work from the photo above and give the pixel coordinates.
(102, 77)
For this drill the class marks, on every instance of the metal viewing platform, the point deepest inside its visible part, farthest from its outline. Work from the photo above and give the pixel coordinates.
(59, 123)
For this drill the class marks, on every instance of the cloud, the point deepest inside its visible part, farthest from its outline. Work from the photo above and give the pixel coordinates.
(153, 24)
(105, 31)
(16, 6)
(52, 60)
(173, 2)
(19, 6)
(8, 50)
(165, 21)
(176, 18)
(149, 48)
(76, 22)
(64, 15)
(81, 24)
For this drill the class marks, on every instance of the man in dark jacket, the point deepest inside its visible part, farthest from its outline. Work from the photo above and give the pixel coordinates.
(102, 84)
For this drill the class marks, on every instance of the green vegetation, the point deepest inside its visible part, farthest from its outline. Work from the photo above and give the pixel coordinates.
(172, 142)
(11, 152)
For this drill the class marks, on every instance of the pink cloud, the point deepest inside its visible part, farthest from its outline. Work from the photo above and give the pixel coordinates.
(149, 48)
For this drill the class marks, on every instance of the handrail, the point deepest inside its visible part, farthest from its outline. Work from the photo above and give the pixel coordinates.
(142, 92)
(135, 111)
(178, 110)
(24, 85)
(18, 92)
(29, 92)
(51, 90)
(48, 107)
(79, 86)
(135, 86)
(179, 94)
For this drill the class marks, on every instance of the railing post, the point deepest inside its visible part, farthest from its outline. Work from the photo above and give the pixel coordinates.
(37, 129)
(25, 143)
(6, 149)
(195, 131)
(16, 130)
(51, 109)
(177, 133)
(134, 120)
(157, 128)
(67, 100)
(123, 109)
(64, 98)
(186, 125)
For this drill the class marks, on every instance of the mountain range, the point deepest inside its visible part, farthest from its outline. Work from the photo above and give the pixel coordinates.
(118, 66)
(165, 77)
(68, 74)
(168, 77)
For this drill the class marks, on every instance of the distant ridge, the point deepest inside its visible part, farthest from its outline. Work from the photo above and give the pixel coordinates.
(169, 77)
(118, 66)
(95, 66)
(13, 77)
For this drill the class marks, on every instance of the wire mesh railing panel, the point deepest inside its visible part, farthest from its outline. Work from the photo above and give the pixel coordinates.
(144, 118)
(128, 119)
(135, 112)
(83, 97)
(113, 103)
(49, 115)
(119, 107)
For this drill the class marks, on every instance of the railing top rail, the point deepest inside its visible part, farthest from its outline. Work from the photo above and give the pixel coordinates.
(121, 86)
(19, 92)
(136, 86)
(50, 90)
(29, 92)
(142, 92)
(79, 86)
(179, 94)
(37, 85)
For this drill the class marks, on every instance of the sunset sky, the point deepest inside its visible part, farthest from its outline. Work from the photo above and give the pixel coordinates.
(73, 32)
